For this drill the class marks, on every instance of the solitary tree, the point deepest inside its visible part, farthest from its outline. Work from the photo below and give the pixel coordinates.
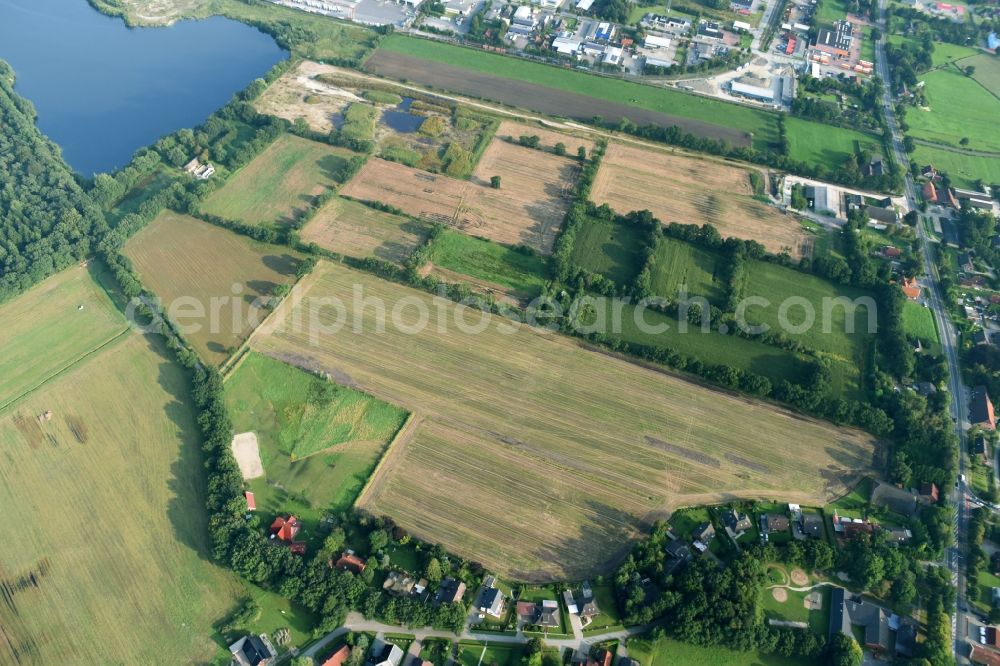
(495, 182)
(560, 148)
(581, 153)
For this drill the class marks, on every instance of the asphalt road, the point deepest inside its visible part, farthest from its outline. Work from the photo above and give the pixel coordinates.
(959, 407)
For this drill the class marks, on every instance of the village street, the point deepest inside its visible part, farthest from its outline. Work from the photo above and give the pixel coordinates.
(357, 623)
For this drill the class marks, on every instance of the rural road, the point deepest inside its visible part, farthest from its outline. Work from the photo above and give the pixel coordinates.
(357, 622)
(959, 408)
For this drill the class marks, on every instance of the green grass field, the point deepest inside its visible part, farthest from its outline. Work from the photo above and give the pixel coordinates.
(794, 608)
(823, 144)
(279, 183)
(964, 170)
(918, 321)
(829, 332)
(608, 248)
(521, 273)
(667, 652)
(763, 124)
(107, 501)
(214, 282)
(959, 108)
(829, 12)
(987, 71)
(945, 53)
(53, 326)
(479, 654)
(318, 441)
(682, 264)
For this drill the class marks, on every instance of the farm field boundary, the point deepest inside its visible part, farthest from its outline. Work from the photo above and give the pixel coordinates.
(522, 495)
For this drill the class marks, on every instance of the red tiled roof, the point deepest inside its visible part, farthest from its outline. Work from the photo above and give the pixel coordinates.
(930, 192)
(351, 562)
(285, 528)
(339, 657)
(929, 490)
(251, 502)
(981, 655)
(911, 289)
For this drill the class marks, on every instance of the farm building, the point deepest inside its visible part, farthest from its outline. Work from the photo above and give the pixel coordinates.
(930, 193)
(742, 25)
(753, 88)
(895, 499)
(654, 42)
(979, 200)
(883, 215)
(566, 44)
(817, 197)
(981, 409)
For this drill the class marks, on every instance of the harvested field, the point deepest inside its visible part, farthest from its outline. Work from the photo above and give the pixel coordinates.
(111, 563)
(355, 230)
(540, 98)
(53, 326)
(280, 183)
(218, 282)
(699, 192)
(533, 456)
(528, 208)
(549, 138)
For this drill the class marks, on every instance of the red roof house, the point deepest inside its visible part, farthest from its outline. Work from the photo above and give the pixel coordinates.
(911, 288)
(930, 192)
(339, 657)
(891, 252)
(251, 502)
(603, 659)
(351, 562)
(285, 529)
(929, 492)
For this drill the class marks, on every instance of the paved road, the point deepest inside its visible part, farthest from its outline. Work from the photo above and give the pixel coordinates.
(357, 622)
(959, 407)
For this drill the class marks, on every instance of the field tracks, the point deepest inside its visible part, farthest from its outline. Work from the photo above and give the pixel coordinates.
(271, 322)
(64, 369)
(390, 457)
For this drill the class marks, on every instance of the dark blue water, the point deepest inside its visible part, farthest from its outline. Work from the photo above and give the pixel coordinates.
(102, 90)
(400, 118)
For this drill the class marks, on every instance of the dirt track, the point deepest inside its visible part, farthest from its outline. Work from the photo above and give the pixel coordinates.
(535, 97)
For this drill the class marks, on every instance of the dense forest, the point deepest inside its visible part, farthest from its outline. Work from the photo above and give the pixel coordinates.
(46, 220)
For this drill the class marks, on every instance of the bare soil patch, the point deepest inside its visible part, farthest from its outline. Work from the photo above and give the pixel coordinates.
(780, 594)
(297, 94)
(677, 188)
(799, 578)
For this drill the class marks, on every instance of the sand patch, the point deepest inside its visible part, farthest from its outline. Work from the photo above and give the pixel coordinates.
(247, 455)
(780, 594)
(799, 577)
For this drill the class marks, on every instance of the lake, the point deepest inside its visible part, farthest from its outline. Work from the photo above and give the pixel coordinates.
(103, 90)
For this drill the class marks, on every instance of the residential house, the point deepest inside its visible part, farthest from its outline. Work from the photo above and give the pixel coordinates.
(906, 639)
(570, 601)
(600, 658)
(891, 252)
(895, 499)
(965, 263)
(704, 533)
(253, 651)
(981, 411)
(980, 337)
(339, 656)
(400, 584)
(911, 289)
(899, 536)
(491, 601)
(979, 448)
(812, 525)
(775, 523)
(385, 654)
(928, 493)
(981, 655)
(450, 591)
(930, 193)
(544, 614)
(348, 561)
(736, 522)
(874, 168)
(285, 530)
